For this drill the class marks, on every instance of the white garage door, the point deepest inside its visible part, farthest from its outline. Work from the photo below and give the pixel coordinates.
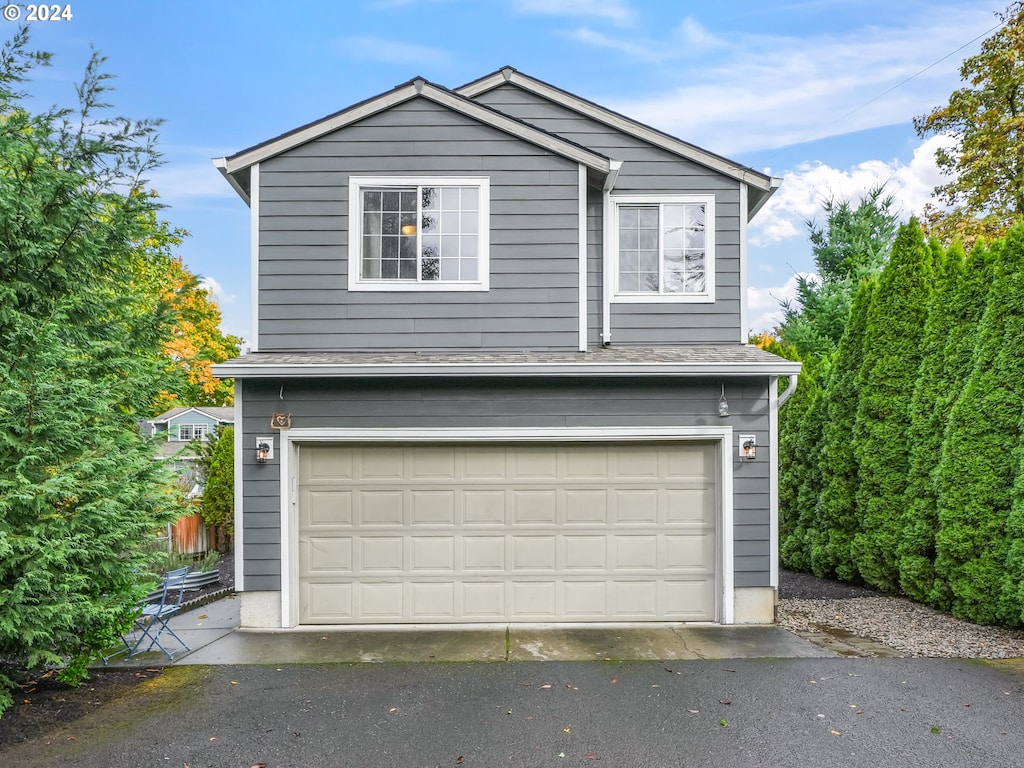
(456, 533)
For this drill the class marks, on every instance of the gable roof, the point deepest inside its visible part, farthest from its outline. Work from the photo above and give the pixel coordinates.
(235, 168)
(761, 186)
(215, 413)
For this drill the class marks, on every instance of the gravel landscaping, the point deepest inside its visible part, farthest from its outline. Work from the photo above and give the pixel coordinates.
(808, 605)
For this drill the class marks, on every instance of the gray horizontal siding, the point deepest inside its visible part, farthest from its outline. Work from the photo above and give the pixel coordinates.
(508, 403)
(303, 299)
(646, 169)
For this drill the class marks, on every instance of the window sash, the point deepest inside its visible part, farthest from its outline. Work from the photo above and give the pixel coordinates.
(662, 249)
(427, 233)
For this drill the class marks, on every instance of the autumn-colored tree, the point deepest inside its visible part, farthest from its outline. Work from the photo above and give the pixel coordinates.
(985, 164)
(196, 341)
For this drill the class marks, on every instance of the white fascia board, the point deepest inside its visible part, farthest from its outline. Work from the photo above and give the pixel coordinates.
(436, 94)
(221, 165)
(487, 370)
(620, 122)
(776, 182)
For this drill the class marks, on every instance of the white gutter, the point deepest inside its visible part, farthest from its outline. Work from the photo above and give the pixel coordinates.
(606, 252)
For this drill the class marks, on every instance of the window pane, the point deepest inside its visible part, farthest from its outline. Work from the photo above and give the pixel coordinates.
(695, 227)
(450, 246)
(629, 282)
(648, 239)
(629, 261)
(470, 222)
(628, 217)
(470, 199)
(675, 272)
(648, 261)
(450, 222)
(469, 249)
(648, 218)
(371, 223)
(407, 269)
(389, 223)
(469, 271)
(371, 200)
(389, 269)
(431, 268)
(389, 247)
(429, 223)
(391, 200)
(408, 200)
(450, 198)
(695, 272)
(449, 269)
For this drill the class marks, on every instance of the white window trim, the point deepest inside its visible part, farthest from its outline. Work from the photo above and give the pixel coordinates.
(355, 234)
(708, 296)
(193, 427)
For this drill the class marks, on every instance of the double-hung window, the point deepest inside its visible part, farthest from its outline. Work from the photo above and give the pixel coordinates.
(418, 233)
(665, 248)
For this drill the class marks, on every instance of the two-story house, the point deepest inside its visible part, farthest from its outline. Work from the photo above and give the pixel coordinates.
(500, 370)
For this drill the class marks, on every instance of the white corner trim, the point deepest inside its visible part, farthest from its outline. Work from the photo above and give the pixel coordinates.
(744, 320)
(254, 258)
(289, 534)
(239, 542)
(727, 600)
(773, 481)
(582, 236)
(607, 251)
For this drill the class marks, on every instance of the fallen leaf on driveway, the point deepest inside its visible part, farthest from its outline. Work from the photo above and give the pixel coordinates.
(460, 760)
(546, 685)
(392, 710)
(836, 733)
(724, 701)
(590, 756)
(566, 730)
(693, 711)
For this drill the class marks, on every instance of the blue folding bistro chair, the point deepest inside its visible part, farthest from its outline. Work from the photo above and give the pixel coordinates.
(152, 624)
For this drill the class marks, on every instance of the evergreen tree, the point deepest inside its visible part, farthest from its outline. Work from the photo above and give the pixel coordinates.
(80, 494)
(979, 464)
(796, 433)
(891, 358)
(836, 510)
(955, 310)
(853, 243)
(218, 506)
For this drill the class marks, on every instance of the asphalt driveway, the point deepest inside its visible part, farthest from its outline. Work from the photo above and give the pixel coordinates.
(816, 712)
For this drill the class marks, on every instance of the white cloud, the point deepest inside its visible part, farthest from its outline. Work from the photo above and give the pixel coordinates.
(365, 48)
(216, 290)
(745, 92)
(613, 10)
(800, 197)
(176, 182)
(764, 305)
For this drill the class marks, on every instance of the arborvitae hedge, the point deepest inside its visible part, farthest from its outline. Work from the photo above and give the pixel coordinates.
(835, 512)
(979, 462)
(886, 382)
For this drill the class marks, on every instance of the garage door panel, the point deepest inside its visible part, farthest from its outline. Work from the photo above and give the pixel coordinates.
(538, 507)
(330, 507)
(586, 507)
(483, 507)
(326, 555)
(432, 507)
(380, 507)
(483, 553)
(433, 553)
(495, 533)
(687, 505)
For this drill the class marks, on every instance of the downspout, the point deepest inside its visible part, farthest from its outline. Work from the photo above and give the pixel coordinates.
(606, 288)
(790, 389)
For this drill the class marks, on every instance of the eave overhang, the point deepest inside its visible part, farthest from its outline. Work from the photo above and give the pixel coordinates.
(761, 186)
(235, 168)
(583, 365)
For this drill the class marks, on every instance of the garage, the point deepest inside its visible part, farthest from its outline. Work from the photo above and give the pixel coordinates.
(486, 532)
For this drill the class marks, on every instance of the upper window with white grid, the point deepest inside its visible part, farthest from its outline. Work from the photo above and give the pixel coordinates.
(418, 234)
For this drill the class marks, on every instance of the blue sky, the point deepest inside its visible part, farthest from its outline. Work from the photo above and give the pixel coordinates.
(818, 92)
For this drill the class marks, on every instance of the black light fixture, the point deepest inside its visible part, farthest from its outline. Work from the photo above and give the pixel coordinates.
(262, 452)
(723, 404)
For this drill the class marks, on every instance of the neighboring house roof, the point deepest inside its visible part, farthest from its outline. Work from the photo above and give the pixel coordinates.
(702, 360)
(761, 185)
(215, 413)
(236, 167)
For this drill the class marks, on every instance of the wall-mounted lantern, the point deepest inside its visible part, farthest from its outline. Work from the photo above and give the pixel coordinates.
(264, 449)
(748, 446)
